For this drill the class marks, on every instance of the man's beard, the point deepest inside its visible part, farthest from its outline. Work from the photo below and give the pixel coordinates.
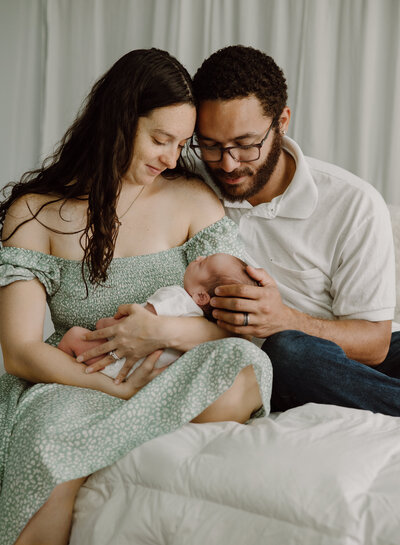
(261, 176)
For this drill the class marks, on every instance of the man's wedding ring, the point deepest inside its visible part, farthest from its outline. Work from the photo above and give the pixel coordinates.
(246, 318)
(113, 355)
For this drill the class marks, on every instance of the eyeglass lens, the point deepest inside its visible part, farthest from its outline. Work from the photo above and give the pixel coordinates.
(251, 153)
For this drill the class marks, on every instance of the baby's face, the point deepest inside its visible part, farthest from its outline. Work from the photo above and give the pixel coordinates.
(199, 271)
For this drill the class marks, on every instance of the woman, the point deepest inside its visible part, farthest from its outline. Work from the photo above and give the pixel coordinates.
(109, 219)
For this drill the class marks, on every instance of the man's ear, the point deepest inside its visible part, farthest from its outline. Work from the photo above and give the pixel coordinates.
(201, 298)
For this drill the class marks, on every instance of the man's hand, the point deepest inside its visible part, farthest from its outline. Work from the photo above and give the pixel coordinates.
(362, 340)
(266, 312)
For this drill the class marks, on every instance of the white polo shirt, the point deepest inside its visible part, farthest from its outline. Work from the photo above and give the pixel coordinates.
(327, 241)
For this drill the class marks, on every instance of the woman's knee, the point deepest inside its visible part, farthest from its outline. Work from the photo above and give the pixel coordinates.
(237, 403)
(245, 351)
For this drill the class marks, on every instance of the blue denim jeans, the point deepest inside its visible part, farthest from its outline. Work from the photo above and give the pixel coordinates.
(310, 369)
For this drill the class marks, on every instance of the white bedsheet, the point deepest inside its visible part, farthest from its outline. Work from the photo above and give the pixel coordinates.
(318, 474)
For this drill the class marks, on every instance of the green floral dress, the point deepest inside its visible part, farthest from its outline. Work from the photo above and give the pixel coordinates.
(51, 433)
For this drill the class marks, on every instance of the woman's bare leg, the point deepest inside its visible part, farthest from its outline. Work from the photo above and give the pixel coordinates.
(236, 404)
(51, 525)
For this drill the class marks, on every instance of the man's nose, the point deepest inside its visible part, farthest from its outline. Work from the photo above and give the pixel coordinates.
(228, 163)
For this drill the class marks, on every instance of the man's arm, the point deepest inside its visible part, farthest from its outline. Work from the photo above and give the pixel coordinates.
(362, 340)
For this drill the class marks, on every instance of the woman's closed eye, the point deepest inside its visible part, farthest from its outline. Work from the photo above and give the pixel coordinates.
(159, 143)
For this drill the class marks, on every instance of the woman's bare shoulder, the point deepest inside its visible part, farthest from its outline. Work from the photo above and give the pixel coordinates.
(30, 219)
(20, 229)
(199, 201)
(195, 188)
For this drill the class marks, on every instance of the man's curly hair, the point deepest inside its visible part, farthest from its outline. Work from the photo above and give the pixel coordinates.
(237, 71)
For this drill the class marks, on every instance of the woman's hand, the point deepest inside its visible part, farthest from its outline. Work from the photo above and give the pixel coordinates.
(144, 374)
(134, 336)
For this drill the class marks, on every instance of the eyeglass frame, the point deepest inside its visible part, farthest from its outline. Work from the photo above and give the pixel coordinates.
(228, 149)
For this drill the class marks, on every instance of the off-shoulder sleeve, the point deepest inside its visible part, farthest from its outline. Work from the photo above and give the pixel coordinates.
(21, 264)
(220, 237)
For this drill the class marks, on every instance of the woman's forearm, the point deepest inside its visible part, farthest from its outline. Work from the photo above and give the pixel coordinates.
(185, 333)
(22, 312)
(138, 333)
(39, 362)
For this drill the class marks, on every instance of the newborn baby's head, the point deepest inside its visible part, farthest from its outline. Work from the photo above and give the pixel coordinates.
(204, 274)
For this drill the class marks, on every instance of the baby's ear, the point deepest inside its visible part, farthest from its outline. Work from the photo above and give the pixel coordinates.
(201, 298)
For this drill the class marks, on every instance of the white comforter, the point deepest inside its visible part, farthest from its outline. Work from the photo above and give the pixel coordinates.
(317, 474)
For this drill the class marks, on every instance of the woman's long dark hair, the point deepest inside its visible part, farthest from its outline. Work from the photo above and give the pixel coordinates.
(96, 151)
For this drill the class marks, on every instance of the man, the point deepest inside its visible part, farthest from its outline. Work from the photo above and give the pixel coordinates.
(322, 236)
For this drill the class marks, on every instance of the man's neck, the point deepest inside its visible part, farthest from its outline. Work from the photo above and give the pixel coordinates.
(279, 181)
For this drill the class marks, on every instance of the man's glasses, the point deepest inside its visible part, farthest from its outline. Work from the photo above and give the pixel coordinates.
(245, 154)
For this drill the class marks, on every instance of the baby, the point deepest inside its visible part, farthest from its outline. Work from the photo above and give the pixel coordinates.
(201, 277)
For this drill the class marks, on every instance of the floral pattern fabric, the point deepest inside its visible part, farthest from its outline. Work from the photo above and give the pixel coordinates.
(52, 433)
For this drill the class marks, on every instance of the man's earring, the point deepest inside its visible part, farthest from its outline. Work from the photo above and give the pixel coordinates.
(283, 132)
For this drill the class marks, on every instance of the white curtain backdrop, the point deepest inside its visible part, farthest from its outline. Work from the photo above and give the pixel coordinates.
(341, 59)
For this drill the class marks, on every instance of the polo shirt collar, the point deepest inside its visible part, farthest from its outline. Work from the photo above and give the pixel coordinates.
(300, 198)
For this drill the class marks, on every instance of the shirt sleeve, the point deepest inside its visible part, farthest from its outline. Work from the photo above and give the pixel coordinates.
(363, 285)
(20, 264)
(174, 301)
